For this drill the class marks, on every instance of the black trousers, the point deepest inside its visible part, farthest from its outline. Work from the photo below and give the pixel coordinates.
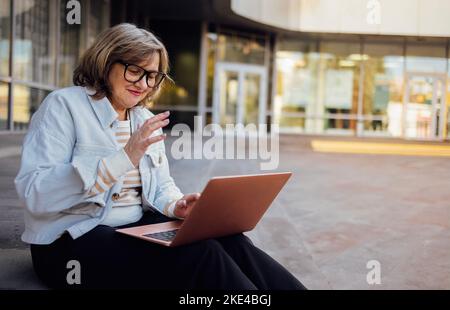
(111, 260)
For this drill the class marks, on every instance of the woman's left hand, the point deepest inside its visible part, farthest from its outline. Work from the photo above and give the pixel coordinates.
(184, 205)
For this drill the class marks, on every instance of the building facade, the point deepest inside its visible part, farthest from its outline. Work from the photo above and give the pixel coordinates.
(358, 68)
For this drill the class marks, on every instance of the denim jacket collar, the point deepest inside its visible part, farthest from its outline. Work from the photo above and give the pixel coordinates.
(102, 108)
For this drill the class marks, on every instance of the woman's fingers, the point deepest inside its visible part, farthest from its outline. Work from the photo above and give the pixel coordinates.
(155, 122)
(142, 138)
(154, 139)
(181, 203)
(155, 126)
(150, 128)
(192, 197)
(184, 206)
(181, 209)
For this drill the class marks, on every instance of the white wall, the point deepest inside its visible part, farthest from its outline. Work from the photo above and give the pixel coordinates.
(397, 17)
(279, 13)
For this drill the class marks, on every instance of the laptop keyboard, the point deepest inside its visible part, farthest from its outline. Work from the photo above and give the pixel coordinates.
(163, 235)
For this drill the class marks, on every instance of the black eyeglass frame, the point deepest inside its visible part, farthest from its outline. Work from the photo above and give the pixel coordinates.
(146, 74)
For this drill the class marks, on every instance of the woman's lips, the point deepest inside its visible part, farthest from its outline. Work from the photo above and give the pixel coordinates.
(134, 93)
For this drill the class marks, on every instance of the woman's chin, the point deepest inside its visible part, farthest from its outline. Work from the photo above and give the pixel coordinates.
(132, 103)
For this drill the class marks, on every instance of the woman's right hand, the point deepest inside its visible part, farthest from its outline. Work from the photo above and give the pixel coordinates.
(140, 140)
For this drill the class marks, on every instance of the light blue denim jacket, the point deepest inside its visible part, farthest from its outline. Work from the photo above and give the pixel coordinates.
(67, 137)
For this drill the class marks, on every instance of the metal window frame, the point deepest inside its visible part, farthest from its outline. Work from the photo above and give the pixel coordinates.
(203, 78)
(10, 126)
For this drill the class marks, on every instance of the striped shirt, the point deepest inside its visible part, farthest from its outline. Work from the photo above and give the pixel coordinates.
(131, 190)
(127, 207)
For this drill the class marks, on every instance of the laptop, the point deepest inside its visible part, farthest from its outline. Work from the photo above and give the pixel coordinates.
(228, 205)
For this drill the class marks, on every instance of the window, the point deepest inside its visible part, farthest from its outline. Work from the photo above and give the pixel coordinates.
(184, 50)
(383, 89)
(5, 21)
(428, 58)
(3, 106)
(297, 65)
(425, 58)
(34, 46)
(26, 102)
(69, 48)
(212, 50)
(243, 49)
(447, 101)
(339, 76)
(97, 22)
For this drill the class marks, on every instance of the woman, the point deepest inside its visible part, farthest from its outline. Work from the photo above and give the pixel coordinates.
(93, 160)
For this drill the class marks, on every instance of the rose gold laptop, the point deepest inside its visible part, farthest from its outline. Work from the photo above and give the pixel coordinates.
(228, 205)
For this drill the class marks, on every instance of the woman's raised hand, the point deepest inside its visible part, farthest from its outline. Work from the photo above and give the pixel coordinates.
(140, 140)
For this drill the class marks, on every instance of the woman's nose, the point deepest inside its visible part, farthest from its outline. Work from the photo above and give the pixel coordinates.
(142, 83)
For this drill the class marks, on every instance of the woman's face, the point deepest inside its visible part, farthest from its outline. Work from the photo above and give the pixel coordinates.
(125, 94)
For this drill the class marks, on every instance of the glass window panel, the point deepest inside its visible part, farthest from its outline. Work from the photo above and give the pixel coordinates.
(382, 126)
(184, 50)
(98, 18)
(425, 58)
(178, 117)
(297, 66)
(383, 89)
(208, 118)
(339, 126)
(69, 48)
(3, 105)
(5, 21)
(251, 98)
(447, 101)
(34, 41)
(290, 124)
(338, 84)
(316, 84)
(26, 102)
(235, 48)
(212, 46)
(419, 108)
(228, 97)
(73, 37)
(295, 81)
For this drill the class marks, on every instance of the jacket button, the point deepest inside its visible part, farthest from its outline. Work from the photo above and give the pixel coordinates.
(115, 196)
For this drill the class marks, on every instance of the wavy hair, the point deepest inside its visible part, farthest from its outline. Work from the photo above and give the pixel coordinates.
(123, 42)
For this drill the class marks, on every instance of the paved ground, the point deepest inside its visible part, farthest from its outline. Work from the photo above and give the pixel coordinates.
(337, 212)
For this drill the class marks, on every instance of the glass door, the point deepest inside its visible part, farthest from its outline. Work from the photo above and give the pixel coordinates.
(252, 90)
(424, 106)
(229, 94)
(239, 94)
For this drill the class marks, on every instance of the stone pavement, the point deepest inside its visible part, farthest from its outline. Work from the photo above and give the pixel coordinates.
(336, 213)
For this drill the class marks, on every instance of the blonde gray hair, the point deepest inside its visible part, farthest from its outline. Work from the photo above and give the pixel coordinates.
(123, 42)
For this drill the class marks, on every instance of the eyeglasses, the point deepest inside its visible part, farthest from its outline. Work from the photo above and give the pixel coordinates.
(134, 73)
